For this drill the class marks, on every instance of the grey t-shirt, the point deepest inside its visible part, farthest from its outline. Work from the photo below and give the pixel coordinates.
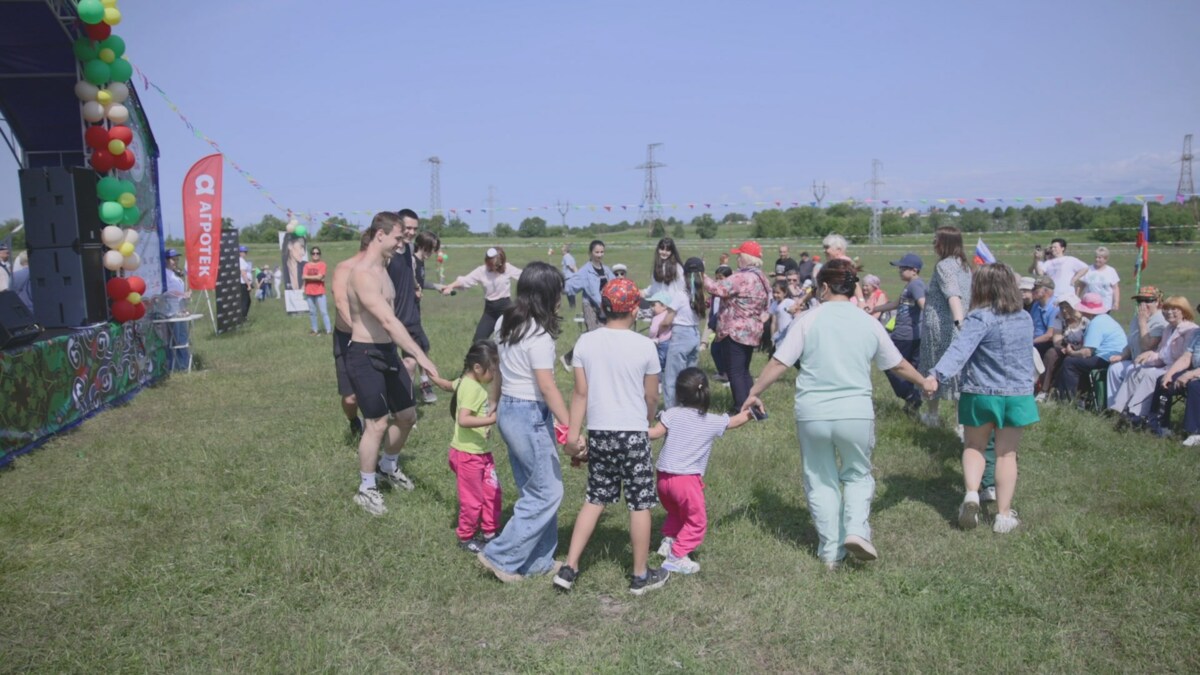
(908, 314)
(1155, 325)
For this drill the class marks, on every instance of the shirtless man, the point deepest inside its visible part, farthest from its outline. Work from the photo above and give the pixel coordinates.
(381, 383)
(341, 333)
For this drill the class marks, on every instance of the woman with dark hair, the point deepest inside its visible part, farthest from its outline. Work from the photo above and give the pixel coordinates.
(744, 297)
(529, 405)
(835, 345)
(494, 275)
(944, 312)
(668, 269)
(684, 285)
(993, 353)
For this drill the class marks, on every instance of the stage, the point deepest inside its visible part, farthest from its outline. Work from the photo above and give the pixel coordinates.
(53, 384)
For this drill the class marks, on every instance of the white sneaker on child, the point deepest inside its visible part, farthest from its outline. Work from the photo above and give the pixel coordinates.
(1192, 441)
(664, 549)
(968, 514)
(684, 565)
(1005, 522)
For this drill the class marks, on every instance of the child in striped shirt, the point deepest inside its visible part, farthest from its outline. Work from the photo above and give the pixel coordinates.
(690, 431)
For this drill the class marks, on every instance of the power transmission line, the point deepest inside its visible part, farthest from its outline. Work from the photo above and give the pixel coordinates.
(435, 186)
(563, 209)
(876, 230)
(651, 209)
(819, 192)
(1186, 188)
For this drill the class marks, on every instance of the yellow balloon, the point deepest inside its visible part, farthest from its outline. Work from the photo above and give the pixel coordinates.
(127, 200)
(107, 55)
(126, 249)
(103, 97)
(112, 16)
(134, 298)
(116, 146)
(109, 3)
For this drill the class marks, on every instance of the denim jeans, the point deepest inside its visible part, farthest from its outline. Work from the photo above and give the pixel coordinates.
(179, 359)
(682, 352)
(316, 303)
(529, 539)
(911, 351)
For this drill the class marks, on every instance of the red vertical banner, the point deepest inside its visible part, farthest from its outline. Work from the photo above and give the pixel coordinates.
(202, 222)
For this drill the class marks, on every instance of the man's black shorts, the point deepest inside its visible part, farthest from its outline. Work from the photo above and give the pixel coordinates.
(379, 379)
(341, 339)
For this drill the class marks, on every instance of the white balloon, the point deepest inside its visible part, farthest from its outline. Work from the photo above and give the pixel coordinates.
(93, 112)
(119, 91)
(132, 262)
(131, 236)
(113, 237)
(118, 114)
(113, 260)
(86, 91)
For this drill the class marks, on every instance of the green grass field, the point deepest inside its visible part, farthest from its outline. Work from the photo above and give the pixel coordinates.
(208, 526)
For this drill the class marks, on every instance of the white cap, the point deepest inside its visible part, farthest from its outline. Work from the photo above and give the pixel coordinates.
(620, 266)
(491, 253)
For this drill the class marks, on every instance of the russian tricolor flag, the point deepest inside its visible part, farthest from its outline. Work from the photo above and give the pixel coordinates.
(1143, 238)
(983, 254)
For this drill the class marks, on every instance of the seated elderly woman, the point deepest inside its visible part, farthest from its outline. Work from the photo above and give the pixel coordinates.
(1183, 376)
(1069, 327)
(1103, 340)
(1133, 399)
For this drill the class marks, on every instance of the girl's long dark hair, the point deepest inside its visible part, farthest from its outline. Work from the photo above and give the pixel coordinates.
(665, 271)
(695, 291)
(692, 391)
(539, 289)
(482, 354)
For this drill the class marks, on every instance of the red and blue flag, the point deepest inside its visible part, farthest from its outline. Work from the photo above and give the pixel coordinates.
(1143, 239)
(983, 254)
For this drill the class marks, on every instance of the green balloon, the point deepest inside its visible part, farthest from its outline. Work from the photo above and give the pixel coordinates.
(300, 231)
(97, 72)
(115, 43)
(120, 70)
(111, 212)
(84, 50)
(127, 186)
(109, 189)
(91, 11)
(131, 215)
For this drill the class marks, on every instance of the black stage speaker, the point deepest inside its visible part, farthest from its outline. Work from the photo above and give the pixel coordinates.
(16, 323)
(68, 286)
(61, 207)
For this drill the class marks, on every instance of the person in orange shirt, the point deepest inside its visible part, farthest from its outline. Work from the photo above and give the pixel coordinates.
(314, 290)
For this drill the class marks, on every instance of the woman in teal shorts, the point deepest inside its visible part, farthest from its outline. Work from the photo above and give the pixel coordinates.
(994, 353)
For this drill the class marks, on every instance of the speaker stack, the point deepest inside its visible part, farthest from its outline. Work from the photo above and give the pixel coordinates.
(66, 256)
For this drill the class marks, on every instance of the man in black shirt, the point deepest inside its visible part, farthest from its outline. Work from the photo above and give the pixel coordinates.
(784, 263)
(402, 271)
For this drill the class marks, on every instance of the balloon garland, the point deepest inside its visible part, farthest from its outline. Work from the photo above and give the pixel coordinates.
(103, 92)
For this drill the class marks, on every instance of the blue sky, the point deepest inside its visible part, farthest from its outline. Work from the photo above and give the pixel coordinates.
(334, 106)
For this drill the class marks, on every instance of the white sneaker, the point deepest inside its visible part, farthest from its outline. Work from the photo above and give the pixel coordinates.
(664, 549)
(427, 393)
(959, 430)
(860, 548)
(1192, 441)
(931, 420)
(396, 479)
(1040, 398)
(988, 494)
(968, 514)
(1005, 522)
(371, 501)
(684, 565)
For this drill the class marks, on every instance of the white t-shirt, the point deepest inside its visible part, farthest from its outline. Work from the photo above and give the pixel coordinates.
(616, 362)
(1062, 270)
(690, 436)
(783, 318)
(1101, 282)
(535, 351)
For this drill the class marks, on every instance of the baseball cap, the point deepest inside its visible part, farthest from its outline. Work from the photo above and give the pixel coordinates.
(1026, 283)
(3, 245)
(620, 267)
(661, 298)
(172, 253)
(1043, 282)
(749, 247)
(911, 260)
(622, 295)
(242, 249)
(1148, 293)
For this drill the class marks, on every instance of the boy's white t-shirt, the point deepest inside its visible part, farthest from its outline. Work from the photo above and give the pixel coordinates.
(518, 361)
(616, 363)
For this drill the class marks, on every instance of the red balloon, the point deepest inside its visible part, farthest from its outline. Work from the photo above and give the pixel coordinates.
(96, 137)
(124, 162)
(97, 31)
(119, 287)
(122, 311)
(139, 310)
(120, 133)
(136, 284)
(102, 161)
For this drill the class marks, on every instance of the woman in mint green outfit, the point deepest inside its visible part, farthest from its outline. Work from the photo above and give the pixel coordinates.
(994, 353)
(835, 345)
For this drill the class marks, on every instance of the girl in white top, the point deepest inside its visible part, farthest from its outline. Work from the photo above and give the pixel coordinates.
(529, 403)
(690, 431)
(687, 311)
(495, 275)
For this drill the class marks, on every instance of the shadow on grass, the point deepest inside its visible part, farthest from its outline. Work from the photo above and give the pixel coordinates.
(789, 523)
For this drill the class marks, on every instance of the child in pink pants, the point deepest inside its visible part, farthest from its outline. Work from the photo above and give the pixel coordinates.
(473, 407)
(690, 431)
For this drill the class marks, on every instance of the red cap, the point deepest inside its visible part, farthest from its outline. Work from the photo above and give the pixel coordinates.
(749, 248)
(622, 294)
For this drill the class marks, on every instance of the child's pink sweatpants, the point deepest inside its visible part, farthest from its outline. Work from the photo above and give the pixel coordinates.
(478, 493)
(687, 517)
